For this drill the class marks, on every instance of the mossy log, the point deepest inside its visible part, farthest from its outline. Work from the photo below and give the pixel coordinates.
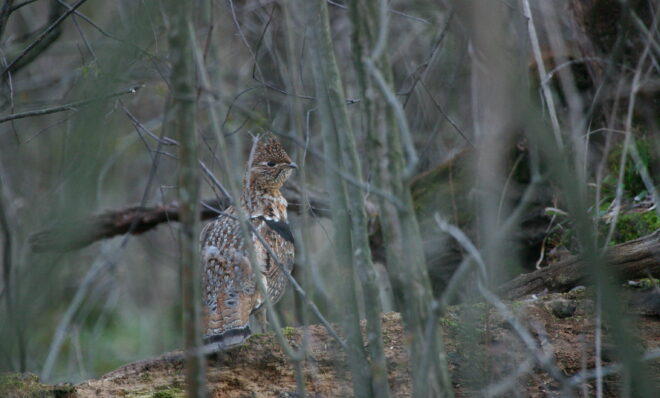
(639, 258)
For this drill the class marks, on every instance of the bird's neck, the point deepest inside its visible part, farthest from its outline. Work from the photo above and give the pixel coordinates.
(268, 203)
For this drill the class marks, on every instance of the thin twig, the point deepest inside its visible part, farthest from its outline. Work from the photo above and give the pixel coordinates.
(165, 140)
(52, 26)
(598, 333)
(100, 264)
(301, 292)
(645, 176)
(244, 39)
(503, 386)
(542, 358)
(420, 76)
(395, 12)
(67, 107)
(5, 11)
(467, 244)
(12, 104)
(215, 181)
(545, 88)
(330, 165)
(634, 87)
(216, 127)
(383, 24)
(80, 32)
(442, 112)
(129, 43)
(584, 376)
(390, 96)
(22, 4)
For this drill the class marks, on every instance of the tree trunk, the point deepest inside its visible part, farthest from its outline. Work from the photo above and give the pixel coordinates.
(348, 214)
(388, 140)
(183, 105)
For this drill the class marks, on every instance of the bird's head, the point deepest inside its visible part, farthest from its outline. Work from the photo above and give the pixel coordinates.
(270, 165)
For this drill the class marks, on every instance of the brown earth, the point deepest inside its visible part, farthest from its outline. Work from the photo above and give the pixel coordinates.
(261, 369)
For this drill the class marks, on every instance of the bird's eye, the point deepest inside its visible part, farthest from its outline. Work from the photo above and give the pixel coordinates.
(270, 164)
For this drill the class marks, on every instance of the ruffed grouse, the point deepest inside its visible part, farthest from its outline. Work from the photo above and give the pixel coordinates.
(230, 290)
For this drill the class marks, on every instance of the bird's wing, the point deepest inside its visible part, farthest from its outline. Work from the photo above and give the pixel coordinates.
(229, 286)
(280, 240)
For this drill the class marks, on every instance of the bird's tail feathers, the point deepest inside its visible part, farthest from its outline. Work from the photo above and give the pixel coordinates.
(226, 340)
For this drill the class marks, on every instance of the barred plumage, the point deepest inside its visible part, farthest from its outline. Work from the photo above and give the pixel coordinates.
(230, 290)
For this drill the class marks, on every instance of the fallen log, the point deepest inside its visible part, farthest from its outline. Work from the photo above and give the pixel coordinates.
(639, 258)
(68, 235)
(76, 234)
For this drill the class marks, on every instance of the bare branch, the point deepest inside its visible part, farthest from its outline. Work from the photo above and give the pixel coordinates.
(5, 11)
(22, 4)
(67, 107)
(45, 33)
(395, 12)
(80, 233)
(547, 95)
(400, 115)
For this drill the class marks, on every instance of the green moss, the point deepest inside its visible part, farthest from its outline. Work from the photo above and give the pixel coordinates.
(576, 293)
(448, 322)
(563, 280)
(27, 385)
(13, 384)
(169, 392)
(245, 347)
(290, 332)
(646, 283)
(631, 226)
(649, 282)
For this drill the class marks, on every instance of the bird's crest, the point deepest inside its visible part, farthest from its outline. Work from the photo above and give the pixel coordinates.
(267, 148)
(268, 167)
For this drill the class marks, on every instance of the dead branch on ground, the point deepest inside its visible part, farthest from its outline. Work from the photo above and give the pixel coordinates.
(634, 259)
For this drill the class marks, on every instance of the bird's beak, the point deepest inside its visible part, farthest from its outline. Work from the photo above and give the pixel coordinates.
(293, 165)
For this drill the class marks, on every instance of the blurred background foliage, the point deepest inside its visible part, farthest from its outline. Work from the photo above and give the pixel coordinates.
(71, 315)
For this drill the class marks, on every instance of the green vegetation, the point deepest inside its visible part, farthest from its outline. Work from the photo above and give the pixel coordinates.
(631, 226)
(448, 322)
(467, 113)
(169, 392)
(634, 220)
(290, 332)
(645, 283)
(27, 385)
(632, 180)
